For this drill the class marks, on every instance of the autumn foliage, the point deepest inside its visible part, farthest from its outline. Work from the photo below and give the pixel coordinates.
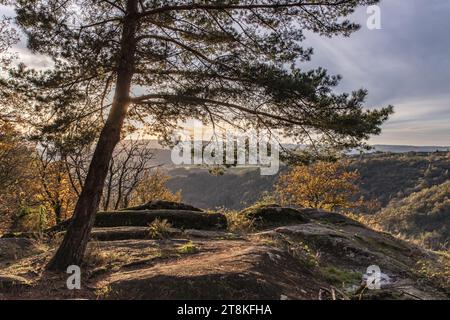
(322, 185)
(153, 187)
(39, 187)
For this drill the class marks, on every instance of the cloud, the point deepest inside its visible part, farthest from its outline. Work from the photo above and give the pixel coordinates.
(423, 121)
(30, 59)
(406, 63)
(24, 55)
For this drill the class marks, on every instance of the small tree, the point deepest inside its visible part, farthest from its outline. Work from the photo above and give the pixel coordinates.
(132, 163)
(56, 191)
(322, 185)
(153, 187)
(18, 179)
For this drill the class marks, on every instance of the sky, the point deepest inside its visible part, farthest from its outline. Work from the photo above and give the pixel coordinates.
(406, 63)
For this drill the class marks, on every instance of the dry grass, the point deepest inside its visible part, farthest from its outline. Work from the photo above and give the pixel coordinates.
(159, 229)
(238, 222)
(96, 257)
(436, 271)
(187, 248)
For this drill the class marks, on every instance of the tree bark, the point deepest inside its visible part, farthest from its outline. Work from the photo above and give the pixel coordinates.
(58, 211)
(71, 250)
(107, 198)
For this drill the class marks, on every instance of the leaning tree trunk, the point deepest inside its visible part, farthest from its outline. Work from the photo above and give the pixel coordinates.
(72, 248)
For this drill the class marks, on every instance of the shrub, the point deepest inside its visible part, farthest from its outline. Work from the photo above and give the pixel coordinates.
(159, 229)
(189, 247)
(31, 219)
(95, 257)
(238, 222)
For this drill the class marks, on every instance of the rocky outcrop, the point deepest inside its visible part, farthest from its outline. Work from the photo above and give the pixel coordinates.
(163, 205)
(325, 256)
(124, 233)
(179, 215)
(177, 218)
(239, 272)
(297, 254)
(272, 215)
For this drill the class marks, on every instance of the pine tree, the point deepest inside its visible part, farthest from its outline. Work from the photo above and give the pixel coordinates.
(232, 62)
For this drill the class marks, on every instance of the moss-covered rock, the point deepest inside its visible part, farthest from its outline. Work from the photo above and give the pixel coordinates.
(273, 215)
(163, 205)
(340, 277)
(179, 215)
(183, 219)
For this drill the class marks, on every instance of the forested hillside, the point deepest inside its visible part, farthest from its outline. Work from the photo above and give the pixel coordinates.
(394, 176)
(234, 189)
(423, 216)
(384, 177)
(409, 192)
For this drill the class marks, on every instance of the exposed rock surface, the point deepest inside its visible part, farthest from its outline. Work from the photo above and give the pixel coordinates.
(272, 214)
(11, 282)
(179, 215)
(166, 205)
(126, 233)
(177, 218)
(296, 261)
(17, 248)
(317, 255)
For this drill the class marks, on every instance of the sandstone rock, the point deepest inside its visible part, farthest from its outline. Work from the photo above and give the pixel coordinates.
(16, 248)
(177, 218)
(241, 273)
(207, 234)
(180, 215)
(124, 233)
(166, 205)
(270, 215)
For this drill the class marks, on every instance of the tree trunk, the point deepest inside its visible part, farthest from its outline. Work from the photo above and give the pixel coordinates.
(72, 248)
(58, 211)
(107, 197)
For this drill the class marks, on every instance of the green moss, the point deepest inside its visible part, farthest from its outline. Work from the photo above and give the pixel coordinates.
(297, 249)
(189, 247)
(271, 215)
(380, 245)
(340, 277)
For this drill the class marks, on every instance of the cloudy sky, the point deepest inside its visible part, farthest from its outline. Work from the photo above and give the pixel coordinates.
(406, 63)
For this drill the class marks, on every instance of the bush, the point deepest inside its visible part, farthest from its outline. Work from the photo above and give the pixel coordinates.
(189, 247)
(31, 220)
(95, 257)
(159, 229)
(238, 222)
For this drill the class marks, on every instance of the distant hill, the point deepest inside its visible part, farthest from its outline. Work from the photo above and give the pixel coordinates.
(384, 177)
(391, 179)
(404, 148)
(235, 189)
(423, 216)
(162, 154)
